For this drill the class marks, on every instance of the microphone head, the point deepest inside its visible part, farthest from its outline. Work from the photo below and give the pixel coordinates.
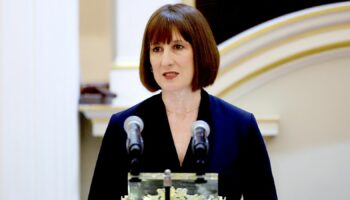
(133, 120)
(201, 124)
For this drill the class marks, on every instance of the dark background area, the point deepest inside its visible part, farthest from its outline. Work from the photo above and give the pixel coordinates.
(229, 17)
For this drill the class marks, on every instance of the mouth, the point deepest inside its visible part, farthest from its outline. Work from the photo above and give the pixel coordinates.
(170, 75)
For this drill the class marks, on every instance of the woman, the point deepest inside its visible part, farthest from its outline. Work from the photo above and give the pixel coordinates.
(179, 57)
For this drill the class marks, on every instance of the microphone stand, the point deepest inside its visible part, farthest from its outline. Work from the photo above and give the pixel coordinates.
(135, 183)
(200, 153)
(135, 170)
(200, 147)
(135, 165)
(133, 126)
(200, 162)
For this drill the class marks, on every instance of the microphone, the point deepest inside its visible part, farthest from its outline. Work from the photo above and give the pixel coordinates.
(133, 126)
(200, 133)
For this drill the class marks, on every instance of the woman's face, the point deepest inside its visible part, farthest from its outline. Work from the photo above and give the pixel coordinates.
(172, 64)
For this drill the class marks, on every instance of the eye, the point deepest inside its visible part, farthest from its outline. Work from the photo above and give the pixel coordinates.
(178, 46)
(156, 49)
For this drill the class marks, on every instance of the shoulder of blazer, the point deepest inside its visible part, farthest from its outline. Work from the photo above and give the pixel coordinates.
(221, 108)
(227, 117)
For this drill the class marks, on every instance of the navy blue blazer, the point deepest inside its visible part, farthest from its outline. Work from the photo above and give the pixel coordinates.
(236, 151)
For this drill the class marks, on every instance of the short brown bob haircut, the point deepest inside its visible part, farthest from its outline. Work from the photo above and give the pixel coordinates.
(194, 28)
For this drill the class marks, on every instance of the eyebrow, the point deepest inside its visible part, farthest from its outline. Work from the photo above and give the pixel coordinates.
(173, 41)
(181, 40)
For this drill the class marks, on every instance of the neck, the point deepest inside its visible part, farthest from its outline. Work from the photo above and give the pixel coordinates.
(183, 102)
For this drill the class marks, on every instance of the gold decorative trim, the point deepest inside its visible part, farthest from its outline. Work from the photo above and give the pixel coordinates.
(283, 23)
(280, 62)
(282, 42)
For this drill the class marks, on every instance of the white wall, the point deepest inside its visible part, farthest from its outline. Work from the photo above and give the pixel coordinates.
(310, 156)
(39, 90)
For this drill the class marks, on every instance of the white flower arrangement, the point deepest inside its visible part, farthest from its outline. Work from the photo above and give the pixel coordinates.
(176, 194)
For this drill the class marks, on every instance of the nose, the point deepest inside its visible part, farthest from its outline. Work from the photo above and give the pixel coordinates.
(167, 58)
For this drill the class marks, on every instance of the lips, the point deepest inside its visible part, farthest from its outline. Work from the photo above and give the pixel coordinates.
(170, 75)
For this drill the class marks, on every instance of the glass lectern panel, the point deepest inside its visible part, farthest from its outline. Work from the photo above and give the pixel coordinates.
(149, 186)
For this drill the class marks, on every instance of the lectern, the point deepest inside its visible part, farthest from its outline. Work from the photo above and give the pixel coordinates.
(149, 186)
